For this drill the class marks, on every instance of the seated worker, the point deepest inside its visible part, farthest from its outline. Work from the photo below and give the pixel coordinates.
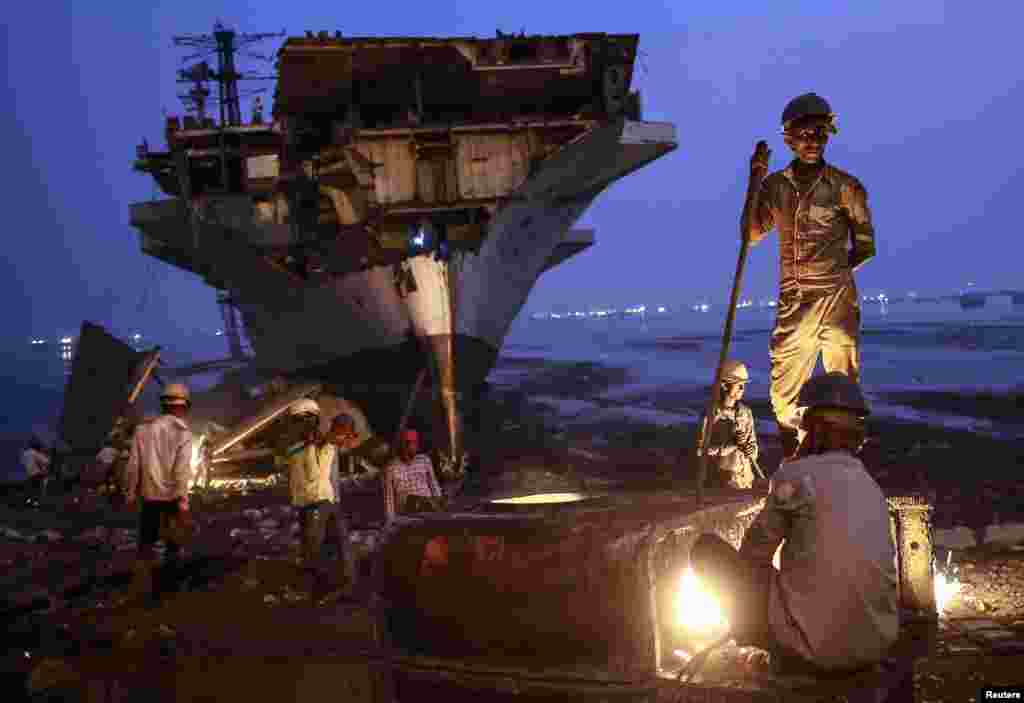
(732, 445)
(832, 606)
(409, 474)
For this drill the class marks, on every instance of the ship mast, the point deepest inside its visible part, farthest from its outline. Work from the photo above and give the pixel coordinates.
(226, 43)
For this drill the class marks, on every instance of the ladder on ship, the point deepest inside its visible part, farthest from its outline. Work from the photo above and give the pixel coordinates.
(232, 328)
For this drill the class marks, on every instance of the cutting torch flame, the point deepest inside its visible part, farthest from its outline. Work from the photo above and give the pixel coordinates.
(945, 590)
(697, 608)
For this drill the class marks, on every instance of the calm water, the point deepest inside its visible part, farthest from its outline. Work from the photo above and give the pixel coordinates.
(918, 346)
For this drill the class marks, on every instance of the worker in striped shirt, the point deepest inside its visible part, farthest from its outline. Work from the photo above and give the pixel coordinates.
(409, 474)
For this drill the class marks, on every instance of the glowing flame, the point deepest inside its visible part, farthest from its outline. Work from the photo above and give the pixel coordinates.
(945, 590)
(697, 609)
(542, 498)
(195, 464)
(197, 451)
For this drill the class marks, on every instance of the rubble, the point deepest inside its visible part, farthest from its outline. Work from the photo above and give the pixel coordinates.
(51, 536)
(12, 534)
(95, 534)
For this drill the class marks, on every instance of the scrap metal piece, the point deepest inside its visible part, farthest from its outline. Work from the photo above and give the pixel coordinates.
(910, 520)
(106, 377)
(255, 423)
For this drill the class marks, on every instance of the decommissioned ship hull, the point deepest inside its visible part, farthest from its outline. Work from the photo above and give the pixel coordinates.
(401, 205)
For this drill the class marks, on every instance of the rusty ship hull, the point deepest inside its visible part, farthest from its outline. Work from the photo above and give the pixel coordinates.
(401, 205)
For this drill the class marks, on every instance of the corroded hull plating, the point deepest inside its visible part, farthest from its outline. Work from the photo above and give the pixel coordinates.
(384, 153)
(356, 331)
(366, 335)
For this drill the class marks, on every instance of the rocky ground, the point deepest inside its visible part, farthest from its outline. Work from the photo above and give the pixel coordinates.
(65, 568)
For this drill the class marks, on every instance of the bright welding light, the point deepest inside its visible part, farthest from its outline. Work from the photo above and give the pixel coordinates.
(944, 590)
(696, 608)
(197, 454)
(538, 498)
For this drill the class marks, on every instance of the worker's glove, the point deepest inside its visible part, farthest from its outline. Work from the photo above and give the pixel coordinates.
(759, 161)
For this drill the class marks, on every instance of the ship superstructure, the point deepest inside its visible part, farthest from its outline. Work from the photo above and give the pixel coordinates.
(399, 205)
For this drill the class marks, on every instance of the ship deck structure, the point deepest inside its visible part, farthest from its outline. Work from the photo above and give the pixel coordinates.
(399, 206)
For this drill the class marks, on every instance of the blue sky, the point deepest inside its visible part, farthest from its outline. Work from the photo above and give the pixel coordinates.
(928, 95)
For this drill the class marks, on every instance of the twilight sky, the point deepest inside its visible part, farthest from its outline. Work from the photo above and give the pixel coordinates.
(928, 94)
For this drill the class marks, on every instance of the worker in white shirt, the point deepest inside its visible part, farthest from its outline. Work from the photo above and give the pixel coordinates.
(36, 462)
(832, 604)
(159, 468)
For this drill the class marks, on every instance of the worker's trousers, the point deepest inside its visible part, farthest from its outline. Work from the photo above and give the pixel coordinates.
(829, 325)
(321, 523)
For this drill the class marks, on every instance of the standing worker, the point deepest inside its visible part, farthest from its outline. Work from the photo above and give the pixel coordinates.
(833, 603)
(36, 462)
(825, 234)
(159, 468)
(310, 456)
(344, 437)
(732, 443)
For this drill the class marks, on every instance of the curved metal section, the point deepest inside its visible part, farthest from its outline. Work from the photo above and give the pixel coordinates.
(275, 407)
(432, 315)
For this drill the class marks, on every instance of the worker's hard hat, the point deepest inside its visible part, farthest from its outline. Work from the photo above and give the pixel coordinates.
(304, 406)
(175, 394)
(808, 105)
(835, 393)
(735, 371)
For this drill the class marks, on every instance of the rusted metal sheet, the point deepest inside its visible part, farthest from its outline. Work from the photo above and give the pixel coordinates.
(394, 169)
(912, 534)
(104, 375)
(491, 165)
(323, 75)
(572, 603)
(567, 592)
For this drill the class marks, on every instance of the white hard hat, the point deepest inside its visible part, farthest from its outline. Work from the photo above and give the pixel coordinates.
(304, 406)
(733, 370)
(175, 394)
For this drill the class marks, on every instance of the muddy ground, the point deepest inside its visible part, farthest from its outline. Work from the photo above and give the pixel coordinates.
(63, 582)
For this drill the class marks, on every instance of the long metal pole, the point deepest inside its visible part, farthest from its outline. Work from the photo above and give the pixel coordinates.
(716, 391)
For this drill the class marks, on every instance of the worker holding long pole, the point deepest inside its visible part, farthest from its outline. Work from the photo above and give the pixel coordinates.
(758, 170)
(825, 234)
